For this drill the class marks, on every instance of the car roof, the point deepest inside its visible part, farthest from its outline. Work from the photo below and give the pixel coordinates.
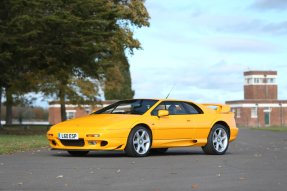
(160, 99)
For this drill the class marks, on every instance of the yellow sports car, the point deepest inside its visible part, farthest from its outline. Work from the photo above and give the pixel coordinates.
(140, 126)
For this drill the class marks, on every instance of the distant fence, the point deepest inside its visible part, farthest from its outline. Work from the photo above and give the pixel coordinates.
(27, 121)
(26, 127)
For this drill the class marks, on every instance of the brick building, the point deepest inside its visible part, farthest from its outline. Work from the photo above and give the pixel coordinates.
(73, 111)
(260, 106)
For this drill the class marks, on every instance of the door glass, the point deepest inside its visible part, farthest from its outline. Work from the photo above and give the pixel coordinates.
(174, 108)
(161, 106)
(190, 109)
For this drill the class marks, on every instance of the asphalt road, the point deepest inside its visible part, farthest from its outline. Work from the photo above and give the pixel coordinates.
(256, 160)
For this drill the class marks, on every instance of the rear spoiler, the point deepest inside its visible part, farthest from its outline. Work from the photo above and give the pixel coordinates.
(222, 108)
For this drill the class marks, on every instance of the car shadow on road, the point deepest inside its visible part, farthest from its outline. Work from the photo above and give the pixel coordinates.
(122, 154)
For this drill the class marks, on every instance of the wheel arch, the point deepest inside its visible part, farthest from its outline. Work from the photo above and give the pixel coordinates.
(225, 125)
(145, 125)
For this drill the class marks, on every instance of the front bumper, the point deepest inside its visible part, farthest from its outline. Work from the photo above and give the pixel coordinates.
(108, 140)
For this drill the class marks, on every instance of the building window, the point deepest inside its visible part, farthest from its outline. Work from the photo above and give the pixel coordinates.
(238, 113)
(245, 81)
(271, 80)
(257, 80)
(248, 80)
(254, 112)
(267, 109)
(70, 114)
(233, 111)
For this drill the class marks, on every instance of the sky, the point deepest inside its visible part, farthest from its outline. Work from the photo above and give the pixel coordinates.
(203, 47)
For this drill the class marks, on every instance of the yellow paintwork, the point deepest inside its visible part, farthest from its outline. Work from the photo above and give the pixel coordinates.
(167, 130)
(221, 108)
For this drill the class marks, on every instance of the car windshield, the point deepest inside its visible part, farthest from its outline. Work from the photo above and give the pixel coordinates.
(135, 106)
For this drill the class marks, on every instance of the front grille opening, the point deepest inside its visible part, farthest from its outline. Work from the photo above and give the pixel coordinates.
(104, 143)
(54, 143)
(79, 143)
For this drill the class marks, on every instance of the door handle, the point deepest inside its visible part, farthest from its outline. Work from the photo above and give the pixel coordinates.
(188, 120)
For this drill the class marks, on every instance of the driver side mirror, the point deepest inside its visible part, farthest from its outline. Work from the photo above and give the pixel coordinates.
(162, 113)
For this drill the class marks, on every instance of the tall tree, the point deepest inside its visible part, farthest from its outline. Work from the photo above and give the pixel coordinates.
(124, 89)
(0, 105)
(99, 30)
(16, 73)
(60, 42)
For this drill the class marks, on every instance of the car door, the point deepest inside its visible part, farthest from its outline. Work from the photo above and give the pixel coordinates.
(201, 122)
(177, 125)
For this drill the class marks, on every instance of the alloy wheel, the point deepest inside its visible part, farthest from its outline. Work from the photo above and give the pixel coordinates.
(219, 139)
(141, 141)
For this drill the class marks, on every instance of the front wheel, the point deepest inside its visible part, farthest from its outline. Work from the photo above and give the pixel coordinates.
(78, 153)
(217, 141)
(139, 142)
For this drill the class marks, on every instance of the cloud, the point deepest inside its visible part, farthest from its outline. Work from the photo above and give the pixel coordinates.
(226, 44)
(183, 42)
(269, 4)
(193, 82)
(254, 27)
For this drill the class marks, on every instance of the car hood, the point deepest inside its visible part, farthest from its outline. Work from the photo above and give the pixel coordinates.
(99, 121)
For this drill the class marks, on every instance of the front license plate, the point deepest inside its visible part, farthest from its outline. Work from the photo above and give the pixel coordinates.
(71, 136)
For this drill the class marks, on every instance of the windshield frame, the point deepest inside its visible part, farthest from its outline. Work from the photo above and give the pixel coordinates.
(113, 106)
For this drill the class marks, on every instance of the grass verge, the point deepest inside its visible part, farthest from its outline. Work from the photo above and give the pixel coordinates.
(12, 143)
(274, 128)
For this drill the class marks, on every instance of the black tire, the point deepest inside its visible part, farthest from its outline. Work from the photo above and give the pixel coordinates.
(139, 142)
(158, 151)
(217, 141)
(78, 153)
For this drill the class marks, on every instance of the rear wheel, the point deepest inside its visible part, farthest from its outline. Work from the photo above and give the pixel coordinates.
(139, 142)
(78, 153)
(217, 141)
(158, 151)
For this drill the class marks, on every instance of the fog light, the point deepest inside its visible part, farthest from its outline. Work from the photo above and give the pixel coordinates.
(92, 142)
(50, 135)
(93, 135)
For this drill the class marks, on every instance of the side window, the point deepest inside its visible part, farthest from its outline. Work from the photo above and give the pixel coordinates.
(190, 108)
(161, 106)
(174, 108)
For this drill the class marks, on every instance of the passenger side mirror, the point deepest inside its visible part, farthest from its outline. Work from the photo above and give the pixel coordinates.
(162, 113)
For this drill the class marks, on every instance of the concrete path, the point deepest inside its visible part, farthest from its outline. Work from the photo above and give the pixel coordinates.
(256, 160)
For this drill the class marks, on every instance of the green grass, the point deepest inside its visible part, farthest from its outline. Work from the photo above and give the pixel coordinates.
(12, 143)
(274, 128)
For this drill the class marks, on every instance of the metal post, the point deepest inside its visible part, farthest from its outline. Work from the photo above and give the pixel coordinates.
(281, 116)
(257, 114)
(265, 75)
